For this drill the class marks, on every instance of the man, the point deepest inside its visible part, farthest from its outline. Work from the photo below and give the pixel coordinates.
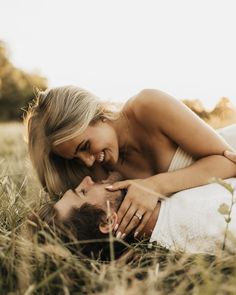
(82, 215)
(193, 220)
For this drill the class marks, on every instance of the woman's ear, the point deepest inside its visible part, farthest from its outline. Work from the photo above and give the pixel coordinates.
(108, 226)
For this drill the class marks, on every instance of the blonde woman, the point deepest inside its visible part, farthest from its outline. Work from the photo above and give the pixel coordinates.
(154, 141)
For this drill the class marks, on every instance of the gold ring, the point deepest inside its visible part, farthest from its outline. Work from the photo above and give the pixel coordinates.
(139, 216)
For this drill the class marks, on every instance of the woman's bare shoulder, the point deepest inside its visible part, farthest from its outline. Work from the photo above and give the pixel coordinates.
(148, 104)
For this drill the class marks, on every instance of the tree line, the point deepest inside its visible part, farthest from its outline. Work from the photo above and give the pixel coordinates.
(17, 87)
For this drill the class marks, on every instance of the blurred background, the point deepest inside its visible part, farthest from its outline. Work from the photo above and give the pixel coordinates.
(116, 48)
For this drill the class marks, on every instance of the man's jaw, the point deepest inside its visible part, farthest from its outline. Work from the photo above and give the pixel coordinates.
(116, 201)
(112, 178)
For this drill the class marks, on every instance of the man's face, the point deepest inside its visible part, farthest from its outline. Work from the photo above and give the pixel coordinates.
(87, 192)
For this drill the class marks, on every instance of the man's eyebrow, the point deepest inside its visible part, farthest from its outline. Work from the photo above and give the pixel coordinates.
(81, 195)
(78, 147)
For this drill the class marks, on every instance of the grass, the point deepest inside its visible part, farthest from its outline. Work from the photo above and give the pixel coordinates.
(27, 268)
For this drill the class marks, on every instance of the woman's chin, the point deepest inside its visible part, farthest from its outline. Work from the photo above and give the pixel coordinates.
(115, 159)
(109, 159)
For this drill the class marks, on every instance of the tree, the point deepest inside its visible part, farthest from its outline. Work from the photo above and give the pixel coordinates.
(196, 106)
(16, 87)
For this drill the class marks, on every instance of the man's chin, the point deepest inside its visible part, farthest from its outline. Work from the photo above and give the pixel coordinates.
(119, 199)
(113, 177)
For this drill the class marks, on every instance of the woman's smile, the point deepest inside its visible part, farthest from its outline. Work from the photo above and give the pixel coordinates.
(98, 143)
(101, 157)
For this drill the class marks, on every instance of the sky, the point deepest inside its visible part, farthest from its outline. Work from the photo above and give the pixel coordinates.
(116, 48)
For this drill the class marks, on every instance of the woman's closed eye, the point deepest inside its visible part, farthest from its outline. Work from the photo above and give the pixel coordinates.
(85, 147)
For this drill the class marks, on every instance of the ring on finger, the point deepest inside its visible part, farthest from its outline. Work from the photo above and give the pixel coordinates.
(138, 215)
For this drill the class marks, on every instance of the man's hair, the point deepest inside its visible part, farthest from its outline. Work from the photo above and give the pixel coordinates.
(80, 231)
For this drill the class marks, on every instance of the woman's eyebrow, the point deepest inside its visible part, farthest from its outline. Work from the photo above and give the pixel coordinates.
(78, 147)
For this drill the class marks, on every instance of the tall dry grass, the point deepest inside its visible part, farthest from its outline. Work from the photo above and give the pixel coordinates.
(27, 268)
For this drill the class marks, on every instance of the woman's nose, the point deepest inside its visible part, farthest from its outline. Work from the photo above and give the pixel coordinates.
(87, 158)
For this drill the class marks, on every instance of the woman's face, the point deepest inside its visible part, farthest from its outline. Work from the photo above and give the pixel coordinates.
(98, 143)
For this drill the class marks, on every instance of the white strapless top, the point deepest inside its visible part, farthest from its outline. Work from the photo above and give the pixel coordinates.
(181, 159)
(189, 220)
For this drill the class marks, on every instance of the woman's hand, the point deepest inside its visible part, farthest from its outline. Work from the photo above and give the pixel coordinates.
(230, 155)
(137, 207)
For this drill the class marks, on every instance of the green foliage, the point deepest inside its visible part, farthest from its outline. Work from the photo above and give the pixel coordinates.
(16, 87)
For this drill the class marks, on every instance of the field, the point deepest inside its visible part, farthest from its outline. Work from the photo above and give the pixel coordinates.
(27, 268)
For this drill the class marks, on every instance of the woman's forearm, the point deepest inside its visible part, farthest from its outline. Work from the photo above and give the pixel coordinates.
(199, 173)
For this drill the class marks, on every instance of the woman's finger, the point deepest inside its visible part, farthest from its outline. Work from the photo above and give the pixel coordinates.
(125, 221)
(230, 155)
(134, 222)
(118, 185)
(124, 207)
(143, 222)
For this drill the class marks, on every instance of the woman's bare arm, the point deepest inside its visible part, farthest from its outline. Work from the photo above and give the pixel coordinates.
(230, 155)
(199, 173)
(158, 112)
(182, 126)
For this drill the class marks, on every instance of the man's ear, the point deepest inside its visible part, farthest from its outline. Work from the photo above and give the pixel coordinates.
(105, 228)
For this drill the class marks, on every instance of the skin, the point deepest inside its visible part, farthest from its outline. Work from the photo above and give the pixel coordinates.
(96, 138)
(96, 194)
(231, 156)
(151, 128)
(86, 192)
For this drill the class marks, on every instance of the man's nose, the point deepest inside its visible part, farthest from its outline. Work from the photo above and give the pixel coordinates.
(86, 183)
(87, 158)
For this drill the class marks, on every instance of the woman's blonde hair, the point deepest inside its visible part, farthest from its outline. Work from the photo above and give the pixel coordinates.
(55, 116)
